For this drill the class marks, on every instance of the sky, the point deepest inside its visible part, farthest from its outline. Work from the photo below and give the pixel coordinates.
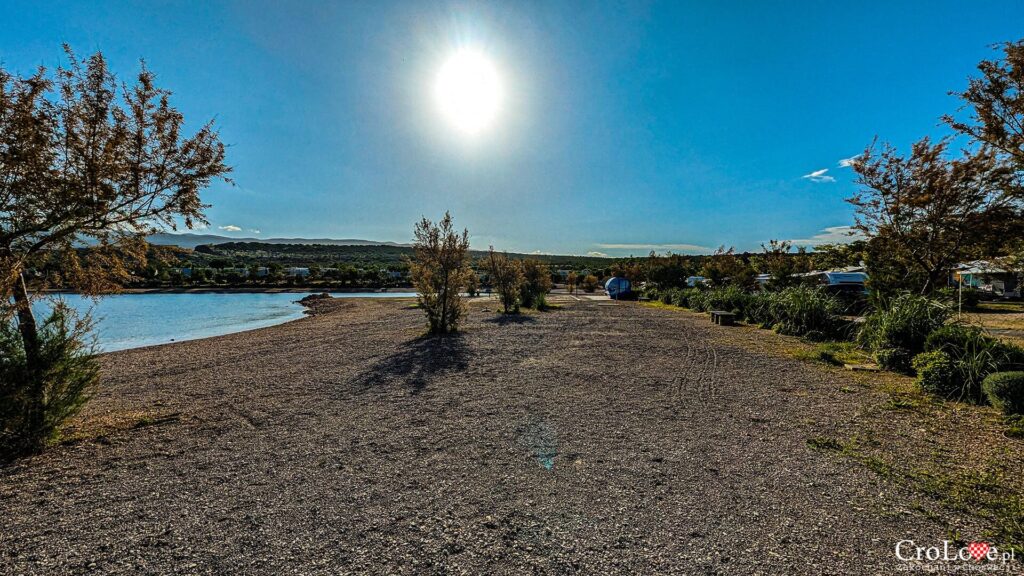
(622, 127)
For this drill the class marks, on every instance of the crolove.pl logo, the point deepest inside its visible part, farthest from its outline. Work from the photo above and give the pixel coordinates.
(975, 555)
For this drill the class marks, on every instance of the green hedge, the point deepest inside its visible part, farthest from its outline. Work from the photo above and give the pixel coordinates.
(1005, 390)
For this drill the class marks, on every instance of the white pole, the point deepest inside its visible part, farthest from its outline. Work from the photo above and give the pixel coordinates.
(960, 298)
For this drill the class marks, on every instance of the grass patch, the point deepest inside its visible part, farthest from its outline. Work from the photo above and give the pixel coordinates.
(987, 491)
(833, 354)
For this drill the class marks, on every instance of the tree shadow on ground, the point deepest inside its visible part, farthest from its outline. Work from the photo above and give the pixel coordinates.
(505, 319)
(418, 362)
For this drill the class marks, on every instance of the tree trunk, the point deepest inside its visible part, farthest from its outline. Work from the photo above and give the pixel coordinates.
(34, 419)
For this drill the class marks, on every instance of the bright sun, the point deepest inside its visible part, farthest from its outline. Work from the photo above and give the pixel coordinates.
(468, 91)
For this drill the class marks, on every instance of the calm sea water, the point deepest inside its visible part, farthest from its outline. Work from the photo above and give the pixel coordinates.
(133, 320)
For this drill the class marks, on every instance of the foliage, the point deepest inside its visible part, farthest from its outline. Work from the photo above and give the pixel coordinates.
(1005, 390)
(895, 359)
(589, 283)
(835, 256)
(669, 271)
(86, 159)
(997, 98)
(797, 311)
(536, 284)
(507, 278)
(933, 212)
(781, 264)
(973, 355)
(904, 321)
(439, 271)
(35, 401)
(729, 298)
(935, 373)
(725, 267)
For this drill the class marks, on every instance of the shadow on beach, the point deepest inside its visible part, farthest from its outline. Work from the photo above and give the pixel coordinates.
(417, 363)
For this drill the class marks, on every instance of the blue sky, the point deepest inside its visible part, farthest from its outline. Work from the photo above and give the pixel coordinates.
(625, 126)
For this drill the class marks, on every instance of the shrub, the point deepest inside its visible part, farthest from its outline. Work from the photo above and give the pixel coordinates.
(589, 283)
(439, 270)
(729, 299)
(536, 283)
(1005, 390)
(895, 359)
(67, 371)
(935, 373)
(797, 311)
(667, 296)
(507, 277)
(683, 298)
(904, 321)
(974, 356)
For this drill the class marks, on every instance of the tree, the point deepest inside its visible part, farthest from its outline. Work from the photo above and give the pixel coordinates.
(506, 276)
(932, 212)
(440, 269)
(997, 99)
(589, 283)
(536, 284)
(85, 158)
(725, 267)
(834, 256)
(570, 282)
(781, 264)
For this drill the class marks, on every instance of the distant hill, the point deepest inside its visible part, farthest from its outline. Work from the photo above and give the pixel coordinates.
(190, 240)
(264, 253)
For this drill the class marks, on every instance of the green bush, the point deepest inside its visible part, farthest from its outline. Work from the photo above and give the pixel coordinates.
(682, 298)
(935, 373)
(894, 359)
(667, 296)
(728, 298)
(60, 386)
(974, 356)
(797, 311)
(1005, 390)
(904, 321)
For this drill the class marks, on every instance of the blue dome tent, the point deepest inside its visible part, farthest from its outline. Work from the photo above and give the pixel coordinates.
(617, 288)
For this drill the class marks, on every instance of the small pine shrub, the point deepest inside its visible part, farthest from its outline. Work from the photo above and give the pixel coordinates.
(1005, 390)
(894, 359)
(935, 374)
(60, 386)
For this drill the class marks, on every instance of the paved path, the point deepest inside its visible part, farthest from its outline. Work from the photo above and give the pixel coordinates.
(599, 438)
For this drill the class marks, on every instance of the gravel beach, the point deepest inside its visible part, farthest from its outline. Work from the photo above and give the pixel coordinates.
(597, 438)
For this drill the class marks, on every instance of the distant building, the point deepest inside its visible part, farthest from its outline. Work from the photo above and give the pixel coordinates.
(295, 271)
(990, 277)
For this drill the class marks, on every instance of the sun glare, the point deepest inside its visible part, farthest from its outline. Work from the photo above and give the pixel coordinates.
(468, 91)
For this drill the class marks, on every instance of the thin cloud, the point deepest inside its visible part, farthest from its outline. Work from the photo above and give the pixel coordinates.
(597, 254)
(655, 247)
(831, 235)
(848, 162)
(819, 176)
(254, 230)
(230, 228)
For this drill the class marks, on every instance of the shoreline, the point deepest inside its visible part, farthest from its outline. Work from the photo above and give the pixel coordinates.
(241, 290)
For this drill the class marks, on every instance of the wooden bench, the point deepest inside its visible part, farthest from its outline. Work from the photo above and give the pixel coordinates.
(723, 318)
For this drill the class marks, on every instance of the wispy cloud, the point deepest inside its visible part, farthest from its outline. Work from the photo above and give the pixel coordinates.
(831, 235)
(819, 176)
(597, 254)
(655, 247)
(848, 162)
(253, 230)
(230, 228)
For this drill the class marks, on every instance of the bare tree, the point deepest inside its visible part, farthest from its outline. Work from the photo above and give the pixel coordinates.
(439, 270)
